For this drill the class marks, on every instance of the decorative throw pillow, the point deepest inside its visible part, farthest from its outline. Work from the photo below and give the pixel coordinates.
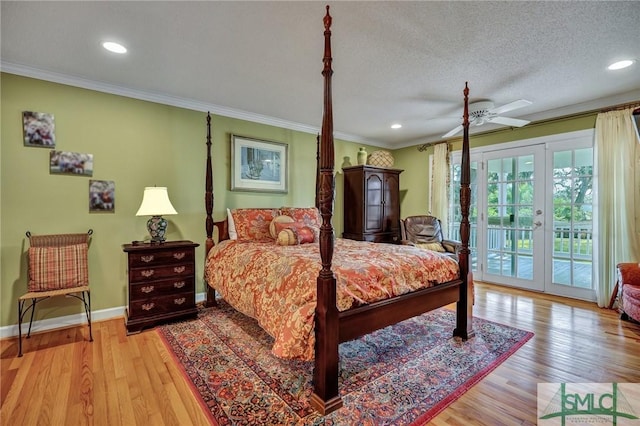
(432, 246)
(287, 237)
(55, 268)
(278, 219)
(304, 233)
(310, 216)
(253, 224)
(232, 226)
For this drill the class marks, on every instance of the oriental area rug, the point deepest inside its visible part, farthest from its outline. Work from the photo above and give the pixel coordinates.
(404, 374)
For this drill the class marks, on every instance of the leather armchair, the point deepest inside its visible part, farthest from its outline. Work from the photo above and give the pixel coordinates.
(425, 231)
(629, 288)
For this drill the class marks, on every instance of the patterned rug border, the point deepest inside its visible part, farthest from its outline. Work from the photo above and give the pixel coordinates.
(461, 390)
(185, 375)
(421, 420)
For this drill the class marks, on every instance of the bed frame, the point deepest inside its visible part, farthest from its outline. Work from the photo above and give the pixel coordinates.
(331, 326)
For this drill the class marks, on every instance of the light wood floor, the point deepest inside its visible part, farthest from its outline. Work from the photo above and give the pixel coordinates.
(118, 380)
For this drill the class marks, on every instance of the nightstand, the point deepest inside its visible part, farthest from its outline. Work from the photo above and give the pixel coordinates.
(161, 283)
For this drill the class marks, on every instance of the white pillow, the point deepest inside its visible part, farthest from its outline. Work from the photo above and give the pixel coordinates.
(233, 235)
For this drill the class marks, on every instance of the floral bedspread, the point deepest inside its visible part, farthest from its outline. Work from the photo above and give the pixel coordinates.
(276, 284)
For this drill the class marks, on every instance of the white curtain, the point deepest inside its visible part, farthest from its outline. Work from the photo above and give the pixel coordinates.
(440, 184)
(617, 161)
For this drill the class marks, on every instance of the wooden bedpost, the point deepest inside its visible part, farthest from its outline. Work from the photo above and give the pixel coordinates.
(464, 308)
(325, 397)
(317, 171)
(208, 204)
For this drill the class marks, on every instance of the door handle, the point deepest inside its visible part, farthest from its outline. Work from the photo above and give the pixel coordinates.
(537, 224)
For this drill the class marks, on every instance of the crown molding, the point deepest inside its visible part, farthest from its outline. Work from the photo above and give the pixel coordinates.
(25, 71)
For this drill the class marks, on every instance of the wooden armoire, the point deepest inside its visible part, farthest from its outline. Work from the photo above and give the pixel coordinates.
(372, 204)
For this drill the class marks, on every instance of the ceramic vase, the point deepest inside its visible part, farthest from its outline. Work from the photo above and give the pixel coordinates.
(362, 156)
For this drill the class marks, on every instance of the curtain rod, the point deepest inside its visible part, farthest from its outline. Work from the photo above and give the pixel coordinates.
(424, 146)
(635, 104)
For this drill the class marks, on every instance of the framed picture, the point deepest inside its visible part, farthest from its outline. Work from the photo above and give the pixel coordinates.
(39, 129)
(258, 165)
(73, 163)
(102, 196)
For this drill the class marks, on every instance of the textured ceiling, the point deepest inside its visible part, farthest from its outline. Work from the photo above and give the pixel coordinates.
(401, 62)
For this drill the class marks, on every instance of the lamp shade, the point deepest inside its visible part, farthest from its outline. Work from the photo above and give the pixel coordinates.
(155, 202)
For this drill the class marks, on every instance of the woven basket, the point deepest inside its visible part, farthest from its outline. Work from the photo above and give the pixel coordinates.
(381, 159)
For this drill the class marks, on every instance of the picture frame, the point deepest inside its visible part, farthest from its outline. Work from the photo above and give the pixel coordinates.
(38, 129)
(259, 165)
(70, 163)
(102, 196)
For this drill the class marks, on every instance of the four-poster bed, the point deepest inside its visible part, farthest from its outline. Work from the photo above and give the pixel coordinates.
(330, 324)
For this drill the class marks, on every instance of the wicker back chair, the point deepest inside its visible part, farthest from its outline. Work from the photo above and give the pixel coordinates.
(58, 266)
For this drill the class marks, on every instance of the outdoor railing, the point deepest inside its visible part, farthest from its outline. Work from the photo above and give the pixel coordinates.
(569, 241)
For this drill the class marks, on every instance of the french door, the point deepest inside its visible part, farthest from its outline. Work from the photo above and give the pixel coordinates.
(531, 214)
(512, 217)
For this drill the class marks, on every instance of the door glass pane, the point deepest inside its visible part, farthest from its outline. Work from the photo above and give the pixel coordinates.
(525, 267)
(572, 218)
(510, 215)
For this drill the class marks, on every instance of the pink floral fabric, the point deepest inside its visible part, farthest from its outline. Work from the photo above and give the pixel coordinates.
(253, 224)
(629, 280)
(276, 284)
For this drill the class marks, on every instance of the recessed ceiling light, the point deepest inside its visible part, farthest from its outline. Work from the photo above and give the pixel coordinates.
(114, 47)
(620, 64)
(396, 126)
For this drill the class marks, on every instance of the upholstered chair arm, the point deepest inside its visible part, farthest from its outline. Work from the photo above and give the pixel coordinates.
(452, 246)
(629, 274)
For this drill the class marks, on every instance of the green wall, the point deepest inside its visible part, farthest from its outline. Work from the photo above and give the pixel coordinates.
(135, 144)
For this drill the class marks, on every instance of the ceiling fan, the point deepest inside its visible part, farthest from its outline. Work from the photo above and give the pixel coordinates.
(485, 112)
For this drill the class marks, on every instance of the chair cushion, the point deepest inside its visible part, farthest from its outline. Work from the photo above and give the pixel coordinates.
(423, 229)
(432, 246)
(53, 268)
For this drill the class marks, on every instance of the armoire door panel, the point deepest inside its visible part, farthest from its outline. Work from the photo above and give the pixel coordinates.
(371, 204)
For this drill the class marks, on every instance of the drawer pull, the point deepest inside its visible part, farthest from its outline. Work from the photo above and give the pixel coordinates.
(179, 269)
(147, 289)
(179, 284)
(148, 306)
(179, 255)
(146, 259)
(180, 301)
(147, 273)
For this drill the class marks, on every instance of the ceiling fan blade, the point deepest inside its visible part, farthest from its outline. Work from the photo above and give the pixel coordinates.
(515, 122)
(510, 106)
(452, 132)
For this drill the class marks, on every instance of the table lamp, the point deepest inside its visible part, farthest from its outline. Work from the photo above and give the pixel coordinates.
(155, 203)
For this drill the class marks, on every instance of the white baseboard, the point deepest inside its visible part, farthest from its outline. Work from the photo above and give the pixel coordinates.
(69, 320)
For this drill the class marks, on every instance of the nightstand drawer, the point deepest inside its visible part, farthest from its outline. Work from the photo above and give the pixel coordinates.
(151, 289)
(138, 260)
(162, 305)
(160, 272)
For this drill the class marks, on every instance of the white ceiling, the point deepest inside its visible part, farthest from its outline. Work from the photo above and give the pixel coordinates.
(403, 62)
